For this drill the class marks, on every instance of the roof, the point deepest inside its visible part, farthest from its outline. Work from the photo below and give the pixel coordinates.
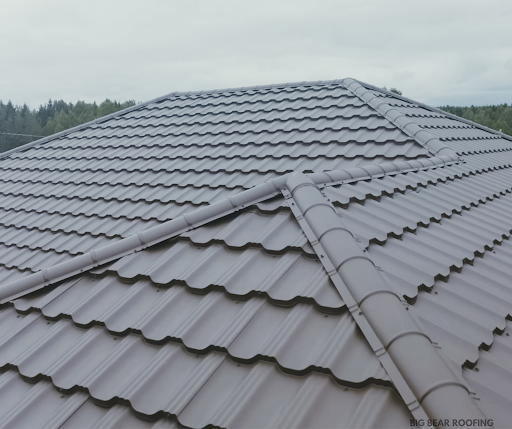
(317, 254)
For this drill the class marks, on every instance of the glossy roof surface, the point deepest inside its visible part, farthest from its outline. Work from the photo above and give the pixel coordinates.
(236, 323)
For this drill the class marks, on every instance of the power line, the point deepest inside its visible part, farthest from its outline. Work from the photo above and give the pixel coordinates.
(26, 135)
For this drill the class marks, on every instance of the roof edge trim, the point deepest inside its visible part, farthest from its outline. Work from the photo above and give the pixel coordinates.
(201, 216)
(406, 125)
(435, 109)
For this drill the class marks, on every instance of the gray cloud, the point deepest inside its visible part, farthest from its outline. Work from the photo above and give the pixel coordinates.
(438, 52)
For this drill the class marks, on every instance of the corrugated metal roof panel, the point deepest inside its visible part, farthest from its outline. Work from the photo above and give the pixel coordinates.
(95, 185)
(297, 150)
(40, 405)
(299, 338)
(99, 208)
(167, 379)
(67, 223)
(272, 232)
(466, 147)
(285, 278)
(492, 378)
(171, 180)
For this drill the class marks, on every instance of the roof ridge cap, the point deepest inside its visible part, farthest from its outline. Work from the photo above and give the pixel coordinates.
(202, 216)
(434, 109)
(390, 330)
(400, 120)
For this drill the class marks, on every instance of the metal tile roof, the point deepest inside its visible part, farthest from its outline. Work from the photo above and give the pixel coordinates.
(237, 322)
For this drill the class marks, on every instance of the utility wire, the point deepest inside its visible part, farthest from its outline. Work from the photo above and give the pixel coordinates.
(26, 135)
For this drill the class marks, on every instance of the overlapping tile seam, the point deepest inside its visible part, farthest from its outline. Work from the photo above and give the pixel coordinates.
(68, 405)
(219, 345)
(199, 217)
(439, 395)
(138, 213)
(353, 122)
(71, 180)
(368, 195)
(266, 166)
(264, 107)
(126, 180)
(472, 201)
(66, 194)
(407, 125)
(159, 99)
(57, 228)
(488, 327)
(436, 110)
(479, 151)
(176, 406)
(253, 151)
(455, 267)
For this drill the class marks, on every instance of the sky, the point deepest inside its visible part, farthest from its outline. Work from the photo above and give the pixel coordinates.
(455, 52)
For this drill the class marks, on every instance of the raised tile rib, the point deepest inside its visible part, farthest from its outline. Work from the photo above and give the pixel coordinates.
(390, 216)
(24, 258)
(92, 226)
(294, 136)
(130, 140)
(280, 166)
(244, 95)
(492, 378)
(468, 147)
(197, 389)
(463, 312)
(299, 339)
(242, 123)
(293, 151)
(285, 278)
(9, 274)
(98, 209)
(274, 233)
(330, 108)
(256, 195)
(462, 134)
(118, 193)
(71, 243)
(137, 178)
(416, 260)
(348, 106)
(41, 405)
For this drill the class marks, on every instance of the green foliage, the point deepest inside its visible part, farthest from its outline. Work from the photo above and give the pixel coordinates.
(50, 118)
(496, 117)
(392, 89)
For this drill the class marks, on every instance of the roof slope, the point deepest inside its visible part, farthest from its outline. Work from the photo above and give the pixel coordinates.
(235, 322)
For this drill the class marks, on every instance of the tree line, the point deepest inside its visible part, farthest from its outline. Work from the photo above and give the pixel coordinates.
(20, 124)
(498, 117)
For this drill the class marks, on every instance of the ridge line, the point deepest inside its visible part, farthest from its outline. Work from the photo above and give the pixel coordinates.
(435, 109)
(406, 125)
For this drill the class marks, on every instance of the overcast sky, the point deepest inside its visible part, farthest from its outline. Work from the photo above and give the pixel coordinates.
(456, 52)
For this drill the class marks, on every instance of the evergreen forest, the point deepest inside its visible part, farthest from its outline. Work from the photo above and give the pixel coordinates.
(498, 117)
(20, 125)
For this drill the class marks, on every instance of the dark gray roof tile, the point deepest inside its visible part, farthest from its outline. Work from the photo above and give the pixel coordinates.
(166, 378)
(285, 278)
(299, 338)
